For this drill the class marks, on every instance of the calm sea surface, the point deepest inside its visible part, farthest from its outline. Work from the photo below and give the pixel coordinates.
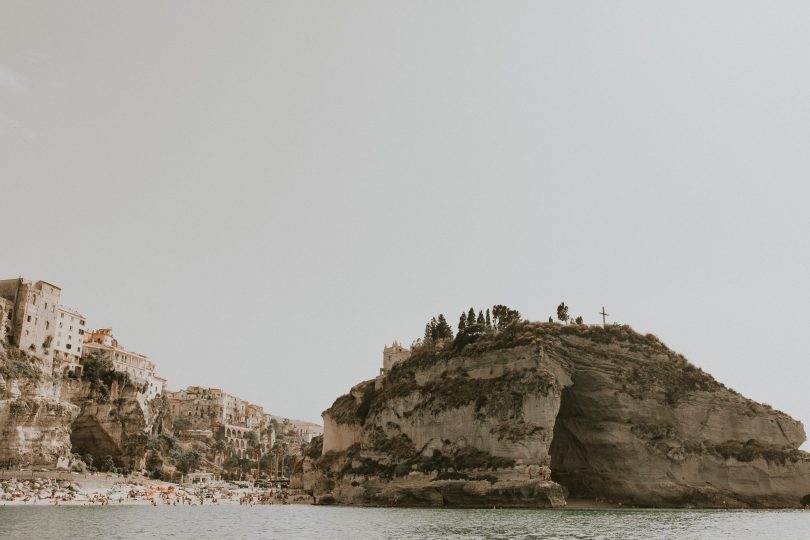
(135, 522)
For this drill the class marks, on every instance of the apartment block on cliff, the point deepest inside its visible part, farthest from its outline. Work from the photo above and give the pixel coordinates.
(30, 313)
(139, 368)
(69, 327)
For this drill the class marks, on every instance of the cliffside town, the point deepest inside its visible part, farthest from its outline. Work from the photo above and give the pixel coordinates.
(505, 413)
(539, 414)
(75, 398)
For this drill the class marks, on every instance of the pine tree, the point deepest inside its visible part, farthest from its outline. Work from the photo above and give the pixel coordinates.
(503, 316)
(428, 334)
(562, 312)
(488, 321)
(471, 316)
(578, 320)
(434, 327)
(462, 322)
(443, 330)
(480, 319)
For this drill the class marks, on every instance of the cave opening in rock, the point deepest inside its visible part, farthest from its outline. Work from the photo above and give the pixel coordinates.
(88, 437)
(570, 466)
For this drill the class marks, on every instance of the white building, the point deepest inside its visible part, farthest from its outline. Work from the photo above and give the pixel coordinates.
(140, 369)
(69, 339)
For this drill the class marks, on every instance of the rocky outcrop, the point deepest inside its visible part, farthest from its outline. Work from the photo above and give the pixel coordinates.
(45, 420)
(539, 412)
(118, 427)
(34, 421)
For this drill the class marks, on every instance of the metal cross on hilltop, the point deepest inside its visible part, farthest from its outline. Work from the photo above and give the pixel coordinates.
(603, 314)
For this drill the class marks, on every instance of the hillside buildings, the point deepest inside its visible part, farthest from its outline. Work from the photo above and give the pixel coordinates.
(226, 416)
(140, 369)
(32, 319)
(30, 311)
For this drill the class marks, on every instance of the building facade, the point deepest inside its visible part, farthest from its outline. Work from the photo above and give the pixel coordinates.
(140, 369)
(230, 417)
(6, 312)
(31, 315)
(70, 328)
(393, 355)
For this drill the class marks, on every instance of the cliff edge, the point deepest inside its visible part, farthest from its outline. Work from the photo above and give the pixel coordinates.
(539, 413)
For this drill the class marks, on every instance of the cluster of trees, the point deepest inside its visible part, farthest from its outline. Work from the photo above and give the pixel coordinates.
(470, 324)
(99, 371)
(438, 330)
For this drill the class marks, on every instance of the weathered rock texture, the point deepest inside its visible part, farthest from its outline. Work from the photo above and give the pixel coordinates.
(119, 427)
(34, 421)
(45, 420)
(538, 412)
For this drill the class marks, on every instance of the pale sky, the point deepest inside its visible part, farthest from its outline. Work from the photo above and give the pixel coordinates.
(261, 195)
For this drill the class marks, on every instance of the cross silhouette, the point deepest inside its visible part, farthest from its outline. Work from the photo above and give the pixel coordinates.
(603, 314)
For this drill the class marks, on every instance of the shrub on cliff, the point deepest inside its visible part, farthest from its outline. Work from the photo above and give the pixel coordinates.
(315, 448)
(16, 364)
(185, 462)
(98, 370)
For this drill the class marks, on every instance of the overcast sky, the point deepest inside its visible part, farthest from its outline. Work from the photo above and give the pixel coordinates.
(261, 195)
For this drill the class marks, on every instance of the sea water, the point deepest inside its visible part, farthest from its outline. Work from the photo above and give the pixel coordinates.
(323, 522)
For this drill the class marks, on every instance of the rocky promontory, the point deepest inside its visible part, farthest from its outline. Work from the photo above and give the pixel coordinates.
(537, 414)
(48, 421)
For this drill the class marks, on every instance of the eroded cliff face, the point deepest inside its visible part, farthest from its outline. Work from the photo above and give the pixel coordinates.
(118, 427)
(34, 421)
(541, 412)
(44, 420)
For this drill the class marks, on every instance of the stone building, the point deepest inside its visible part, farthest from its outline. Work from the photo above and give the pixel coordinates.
(67, 344)
(30, 308)
(393, 355)
(140, 369)
(6, 311)
(211, 409)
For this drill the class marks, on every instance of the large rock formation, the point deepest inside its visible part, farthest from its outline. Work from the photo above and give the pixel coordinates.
(539, 413)
(34, 420)
(45, 420)
(118, 427)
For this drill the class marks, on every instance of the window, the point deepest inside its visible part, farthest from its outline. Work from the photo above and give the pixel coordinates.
(61, 316)
(34, 300)
(67, 345)
(47, 324)
(46, 305)
(78, 349)
(29, 318)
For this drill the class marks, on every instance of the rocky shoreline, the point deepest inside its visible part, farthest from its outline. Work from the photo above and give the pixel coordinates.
(117, 491)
